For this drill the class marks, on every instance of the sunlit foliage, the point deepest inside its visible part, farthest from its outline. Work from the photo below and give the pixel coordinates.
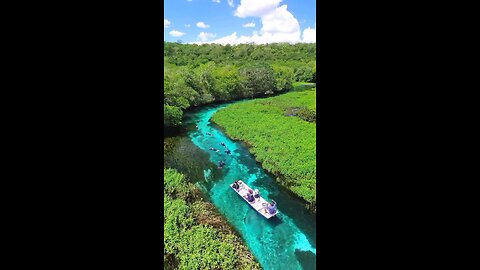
(191, 242)
(282, 134)
(198, 75)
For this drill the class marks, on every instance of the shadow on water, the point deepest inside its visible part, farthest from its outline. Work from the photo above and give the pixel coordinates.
(306, 258)
(180, 153)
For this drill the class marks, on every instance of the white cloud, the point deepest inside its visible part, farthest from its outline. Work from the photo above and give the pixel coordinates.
(227, 40)
(280, 21)
(252, 24)
(216, 1)
(310, 35)
(166, 23)
(176, 33)
(255, 8)
(203, 36)
(278, 24)
(202, 25)
(187, 25)
(230, 3)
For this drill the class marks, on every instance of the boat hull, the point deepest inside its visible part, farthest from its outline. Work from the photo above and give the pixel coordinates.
(259, 204)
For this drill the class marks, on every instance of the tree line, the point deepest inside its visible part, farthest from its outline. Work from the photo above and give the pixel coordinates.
(197, 75)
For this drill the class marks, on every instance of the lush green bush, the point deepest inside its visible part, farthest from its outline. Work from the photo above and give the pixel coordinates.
(283, 77)
(175, 184)
(281, 135)
(172, 115)
(257, 80)
(204, 248)
(189, 242)
(307, 114)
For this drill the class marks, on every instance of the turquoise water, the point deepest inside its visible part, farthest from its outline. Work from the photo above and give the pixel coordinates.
(287, 241)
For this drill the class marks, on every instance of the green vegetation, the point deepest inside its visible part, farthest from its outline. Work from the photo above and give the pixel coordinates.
(197, 75)
(172, 115)
(281, 131)
(196, 236)
(296, 55)
(299, 86)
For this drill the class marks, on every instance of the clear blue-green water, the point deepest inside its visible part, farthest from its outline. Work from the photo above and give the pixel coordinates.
(287, 241)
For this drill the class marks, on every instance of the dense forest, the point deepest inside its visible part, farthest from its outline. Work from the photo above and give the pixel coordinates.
(196, 75)
(281, 131)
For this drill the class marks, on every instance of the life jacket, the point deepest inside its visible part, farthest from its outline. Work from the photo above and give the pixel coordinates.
(272, 209)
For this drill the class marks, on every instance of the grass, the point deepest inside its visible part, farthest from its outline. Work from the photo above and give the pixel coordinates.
(281, 131)
(299, 86)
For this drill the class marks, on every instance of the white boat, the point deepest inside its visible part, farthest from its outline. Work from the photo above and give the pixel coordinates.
(259, 204)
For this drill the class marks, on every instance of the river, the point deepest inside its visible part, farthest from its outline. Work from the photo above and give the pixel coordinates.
(287, 241)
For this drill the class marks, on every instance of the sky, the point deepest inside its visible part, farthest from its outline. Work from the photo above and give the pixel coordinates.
(239, 21)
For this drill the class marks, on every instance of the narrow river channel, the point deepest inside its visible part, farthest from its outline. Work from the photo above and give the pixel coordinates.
(287, 241)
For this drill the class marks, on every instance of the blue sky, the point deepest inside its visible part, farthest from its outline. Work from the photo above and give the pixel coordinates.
(218, 22)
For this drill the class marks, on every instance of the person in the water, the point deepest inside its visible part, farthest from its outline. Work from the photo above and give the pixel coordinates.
(228, 152)
(221, 164)
(223, 144)
(208, 133)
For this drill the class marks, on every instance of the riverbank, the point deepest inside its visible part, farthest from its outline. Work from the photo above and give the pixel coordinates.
(173, 130)
(282, 141)
(289, 239)
(196, 236)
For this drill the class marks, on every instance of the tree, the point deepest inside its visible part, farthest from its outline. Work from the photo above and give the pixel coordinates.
(227, 82)
(304, 74)
(172, 116)
(257, 80)
(283, 77)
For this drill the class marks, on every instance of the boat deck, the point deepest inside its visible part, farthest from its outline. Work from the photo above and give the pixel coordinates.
(258, 204)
